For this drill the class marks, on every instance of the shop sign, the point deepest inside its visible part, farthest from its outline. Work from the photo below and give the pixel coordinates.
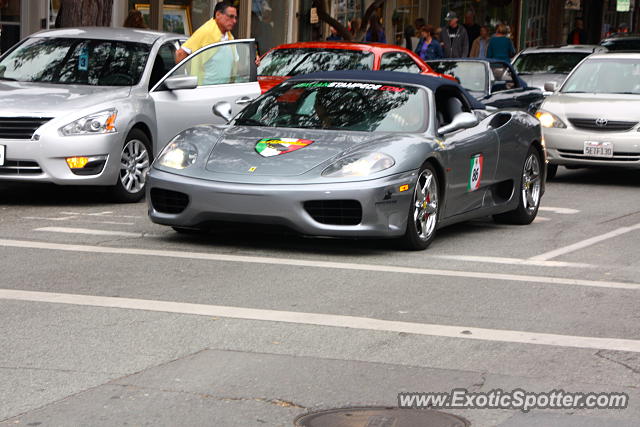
(623, 5)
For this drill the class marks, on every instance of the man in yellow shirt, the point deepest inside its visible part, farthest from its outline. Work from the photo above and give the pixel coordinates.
(217, 29)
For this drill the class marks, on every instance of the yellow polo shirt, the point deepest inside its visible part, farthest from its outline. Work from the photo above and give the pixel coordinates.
(207, 34)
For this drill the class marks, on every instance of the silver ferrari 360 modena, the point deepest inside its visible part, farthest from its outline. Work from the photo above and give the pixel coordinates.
(353, 154)
(92, 106)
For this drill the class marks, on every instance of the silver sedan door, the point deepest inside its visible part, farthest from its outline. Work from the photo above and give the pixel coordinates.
(221, 72)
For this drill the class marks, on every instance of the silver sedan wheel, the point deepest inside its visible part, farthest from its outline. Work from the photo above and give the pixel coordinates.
(134, 165)
(425, 214)
(531, 183)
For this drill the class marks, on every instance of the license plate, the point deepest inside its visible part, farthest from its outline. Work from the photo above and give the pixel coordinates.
(3, 150)
(598, 149)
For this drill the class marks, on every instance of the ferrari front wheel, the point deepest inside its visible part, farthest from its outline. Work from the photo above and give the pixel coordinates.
(422, 218)
(529, 191)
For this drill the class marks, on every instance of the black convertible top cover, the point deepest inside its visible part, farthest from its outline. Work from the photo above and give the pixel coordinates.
(429, 82)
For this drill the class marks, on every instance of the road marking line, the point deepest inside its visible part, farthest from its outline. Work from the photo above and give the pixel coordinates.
(64, 218)
(88, 231)
(514, 261)
(563, 211)
(156, 253)
(539, 218)
(102, 214)
(584, 243)
(331, 320)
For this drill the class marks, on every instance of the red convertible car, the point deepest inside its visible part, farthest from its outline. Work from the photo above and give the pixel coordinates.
(288, 60)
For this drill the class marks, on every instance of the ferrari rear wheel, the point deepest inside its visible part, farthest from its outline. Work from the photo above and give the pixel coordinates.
(422, 218)
(529, 194)
(552, 170)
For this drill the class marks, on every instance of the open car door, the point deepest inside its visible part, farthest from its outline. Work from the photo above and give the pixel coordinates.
(185, 97)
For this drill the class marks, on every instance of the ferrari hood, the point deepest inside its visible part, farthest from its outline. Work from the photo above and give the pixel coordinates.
(259, 151)
(51, 100)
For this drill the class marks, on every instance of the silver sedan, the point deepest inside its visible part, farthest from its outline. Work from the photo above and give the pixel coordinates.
(593, 120)
(92, 106)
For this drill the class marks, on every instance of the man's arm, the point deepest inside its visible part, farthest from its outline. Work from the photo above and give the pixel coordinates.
(180, 55)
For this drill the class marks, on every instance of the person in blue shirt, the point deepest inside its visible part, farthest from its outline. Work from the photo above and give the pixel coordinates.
(500, 46)
(428, 47)
(375, 33)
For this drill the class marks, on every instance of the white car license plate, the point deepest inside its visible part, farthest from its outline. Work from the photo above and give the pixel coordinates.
(598, 149)
(3, 150)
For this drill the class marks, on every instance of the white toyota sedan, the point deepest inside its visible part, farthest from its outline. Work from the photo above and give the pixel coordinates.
(593, 118)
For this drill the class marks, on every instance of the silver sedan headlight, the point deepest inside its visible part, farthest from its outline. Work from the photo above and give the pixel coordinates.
(359, 165)
(549, 120)
(178, 155)
(98, 123)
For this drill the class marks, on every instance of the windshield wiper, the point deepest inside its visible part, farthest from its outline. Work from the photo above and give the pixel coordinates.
(9, 79)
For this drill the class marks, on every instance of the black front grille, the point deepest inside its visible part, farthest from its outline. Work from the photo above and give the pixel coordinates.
(20, 127)
(610, 125)
(335, 212)
(20, 167)
(167, 201)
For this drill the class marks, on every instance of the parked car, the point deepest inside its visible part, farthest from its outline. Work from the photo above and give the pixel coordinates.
(593, 119)
(92, 106)
(622, 41)
(493, 82)
(288, 60)
(354, 154)
(538, 65)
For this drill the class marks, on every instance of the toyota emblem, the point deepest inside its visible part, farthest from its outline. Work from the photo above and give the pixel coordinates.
(601, 122)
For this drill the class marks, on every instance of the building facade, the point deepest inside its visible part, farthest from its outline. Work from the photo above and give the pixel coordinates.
(272, 22)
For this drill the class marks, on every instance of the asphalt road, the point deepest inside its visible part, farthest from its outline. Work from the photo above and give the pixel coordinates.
(108, 319)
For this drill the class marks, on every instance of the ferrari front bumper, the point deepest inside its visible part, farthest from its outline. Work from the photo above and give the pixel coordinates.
(385, 203)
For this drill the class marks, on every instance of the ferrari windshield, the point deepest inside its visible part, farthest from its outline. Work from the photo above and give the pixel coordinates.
(548, 62)
(610, 75)
(76, 61)
(471, 75)
(339, 105)
(291, 62)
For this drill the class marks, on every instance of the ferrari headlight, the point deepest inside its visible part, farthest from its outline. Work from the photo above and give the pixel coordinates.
(359, 165)
(98, 123)
(178, 155)
(549, 120)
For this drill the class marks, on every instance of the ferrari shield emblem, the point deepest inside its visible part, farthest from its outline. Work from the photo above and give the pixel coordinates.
(475, 172)
(269, 147)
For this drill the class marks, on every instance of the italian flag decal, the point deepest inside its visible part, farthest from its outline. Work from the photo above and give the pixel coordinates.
(475, 172)
(269, 147)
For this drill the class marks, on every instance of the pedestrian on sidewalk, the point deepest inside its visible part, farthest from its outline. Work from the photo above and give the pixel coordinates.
(501, 46)
(428, 47)
(217, 29)
(454, 38)
(480, 44)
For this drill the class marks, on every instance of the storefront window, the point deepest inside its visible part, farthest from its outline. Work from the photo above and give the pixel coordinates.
(269, 23)
(485, 12)
(404, 17)
(616, 21)
(9, 24)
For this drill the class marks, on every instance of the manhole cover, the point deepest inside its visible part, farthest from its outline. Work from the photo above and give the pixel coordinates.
(380, 417)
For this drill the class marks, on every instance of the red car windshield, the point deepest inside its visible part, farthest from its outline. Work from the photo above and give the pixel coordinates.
(291, 62)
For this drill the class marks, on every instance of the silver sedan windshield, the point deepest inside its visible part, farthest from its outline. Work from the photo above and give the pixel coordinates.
(605, 76)
(356, 106)
(76, 61)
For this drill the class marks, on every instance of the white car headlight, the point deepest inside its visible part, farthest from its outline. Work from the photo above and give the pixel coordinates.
(359, 165)
(93, 124)
(549, 120)
(178, 155)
